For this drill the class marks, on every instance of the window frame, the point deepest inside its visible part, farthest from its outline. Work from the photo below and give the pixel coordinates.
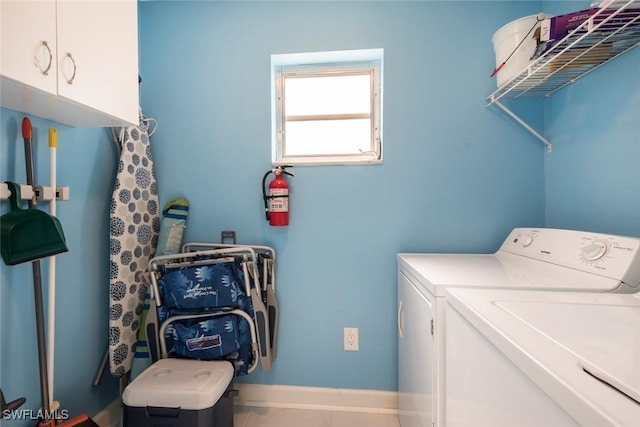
(369, 61)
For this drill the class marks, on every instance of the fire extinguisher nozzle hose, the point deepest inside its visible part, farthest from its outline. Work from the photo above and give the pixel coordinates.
(264, 195)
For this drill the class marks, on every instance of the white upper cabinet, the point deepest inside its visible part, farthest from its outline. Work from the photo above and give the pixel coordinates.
(29, 43)
(71, 61)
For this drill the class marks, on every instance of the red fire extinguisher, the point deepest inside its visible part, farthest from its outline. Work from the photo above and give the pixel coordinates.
(276, 203)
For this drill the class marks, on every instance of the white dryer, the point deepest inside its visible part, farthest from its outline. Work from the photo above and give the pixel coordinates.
(523, 358)
(534, 259)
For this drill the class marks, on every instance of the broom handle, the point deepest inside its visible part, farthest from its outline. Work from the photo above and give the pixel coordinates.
(51, 300)
(27, 134)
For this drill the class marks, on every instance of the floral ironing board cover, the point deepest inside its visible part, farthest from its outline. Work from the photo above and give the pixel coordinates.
(133, 233)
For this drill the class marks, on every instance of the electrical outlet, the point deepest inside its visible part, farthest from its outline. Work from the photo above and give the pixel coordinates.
(351, 339)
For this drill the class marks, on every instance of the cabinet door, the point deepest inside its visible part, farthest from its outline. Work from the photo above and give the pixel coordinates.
(416, 386)
(98, 55)
(26, 26)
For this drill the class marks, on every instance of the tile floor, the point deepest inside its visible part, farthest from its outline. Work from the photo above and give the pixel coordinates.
(246, 416)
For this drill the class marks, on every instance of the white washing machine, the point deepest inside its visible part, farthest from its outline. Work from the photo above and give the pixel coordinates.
(536, 259)
(523, 358)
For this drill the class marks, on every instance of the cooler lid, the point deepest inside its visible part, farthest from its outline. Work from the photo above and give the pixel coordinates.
(180, 383)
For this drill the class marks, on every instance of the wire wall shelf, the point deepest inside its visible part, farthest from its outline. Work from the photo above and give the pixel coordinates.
(608, 33)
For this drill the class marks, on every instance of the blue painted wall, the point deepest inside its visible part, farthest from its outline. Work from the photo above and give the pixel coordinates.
(456, 176)
(592, 178)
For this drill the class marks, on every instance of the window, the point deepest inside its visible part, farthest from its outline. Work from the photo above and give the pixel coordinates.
(327, 107)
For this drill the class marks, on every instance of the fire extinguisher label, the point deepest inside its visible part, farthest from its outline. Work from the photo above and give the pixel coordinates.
(279, 204)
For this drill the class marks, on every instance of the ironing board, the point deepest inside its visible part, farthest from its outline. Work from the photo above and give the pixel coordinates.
(134, 227)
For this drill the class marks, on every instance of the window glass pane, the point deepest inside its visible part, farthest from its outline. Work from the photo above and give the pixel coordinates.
(325, 137)
(342, 94)
(327, 107)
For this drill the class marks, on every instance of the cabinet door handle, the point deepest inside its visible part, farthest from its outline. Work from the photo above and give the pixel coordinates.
(401, 319)
(46, 70)
(73, 76)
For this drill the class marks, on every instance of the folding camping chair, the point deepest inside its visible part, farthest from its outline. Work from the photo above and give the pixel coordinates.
(209, 306)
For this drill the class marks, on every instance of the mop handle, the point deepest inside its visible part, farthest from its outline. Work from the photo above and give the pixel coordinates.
(27, 134)
(51, 307)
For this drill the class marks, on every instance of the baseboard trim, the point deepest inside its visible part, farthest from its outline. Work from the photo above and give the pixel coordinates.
(317, 398)
(109, 416)
(290, 397)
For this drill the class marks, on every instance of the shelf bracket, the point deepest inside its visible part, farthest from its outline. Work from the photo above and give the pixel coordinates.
(525, 125)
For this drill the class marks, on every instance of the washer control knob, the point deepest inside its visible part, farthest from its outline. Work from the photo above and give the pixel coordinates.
(527, 240)
(594, 250)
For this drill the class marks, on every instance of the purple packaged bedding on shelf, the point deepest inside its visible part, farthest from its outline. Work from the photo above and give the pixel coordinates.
(558, 27)
(553, 30)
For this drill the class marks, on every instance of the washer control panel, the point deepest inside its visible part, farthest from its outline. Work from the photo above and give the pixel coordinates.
(613, 256)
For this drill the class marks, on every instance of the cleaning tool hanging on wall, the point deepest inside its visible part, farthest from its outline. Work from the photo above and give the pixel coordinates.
(134, 226)
(27, 135)
(28, 234)
(51, 288)
(54, 243)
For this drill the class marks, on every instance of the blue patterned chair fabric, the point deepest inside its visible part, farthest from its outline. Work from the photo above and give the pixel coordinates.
(200, 289)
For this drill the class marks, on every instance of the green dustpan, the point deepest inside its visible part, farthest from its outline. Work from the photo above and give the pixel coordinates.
(28, 234)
